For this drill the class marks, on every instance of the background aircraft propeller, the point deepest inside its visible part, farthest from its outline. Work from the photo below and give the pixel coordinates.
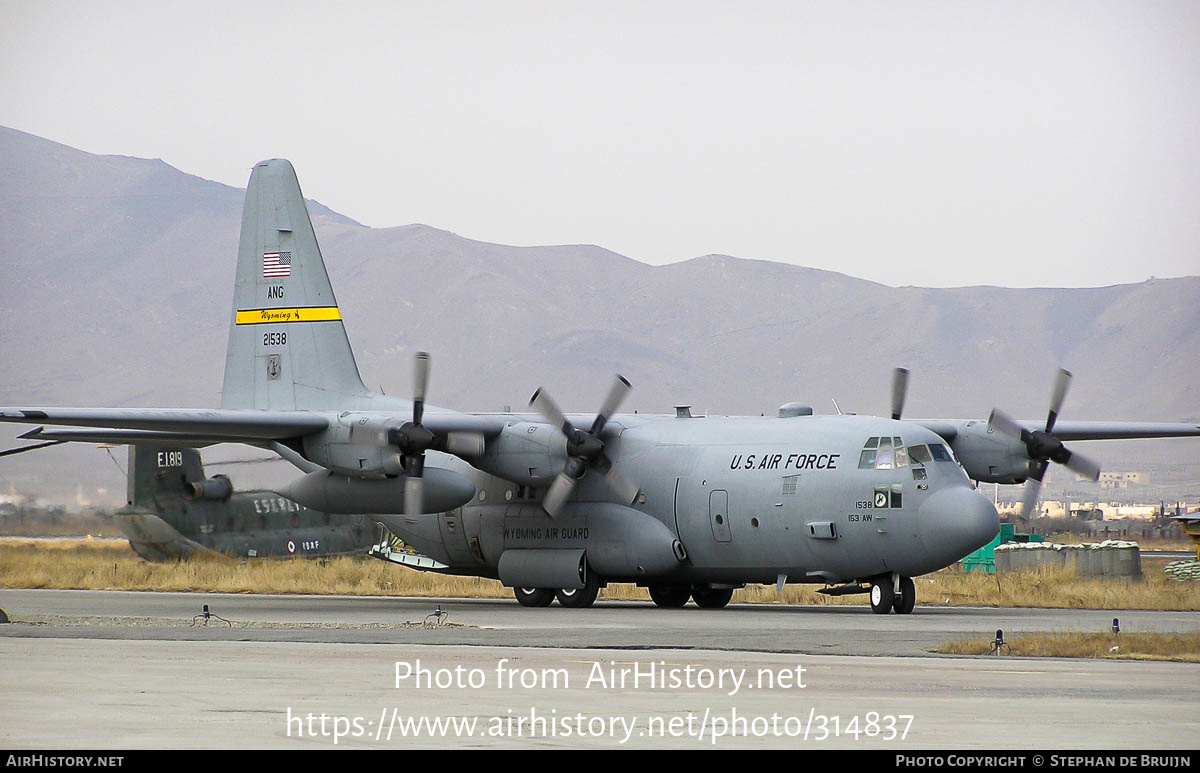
(585, 449)
(1043, 447)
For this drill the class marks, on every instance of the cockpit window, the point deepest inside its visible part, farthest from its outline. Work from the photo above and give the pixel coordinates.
(884, 453)
(883, 460)
(890, 453)
(920, 454)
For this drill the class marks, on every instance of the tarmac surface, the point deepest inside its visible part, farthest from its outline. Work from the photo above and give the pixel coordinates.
(99, 669)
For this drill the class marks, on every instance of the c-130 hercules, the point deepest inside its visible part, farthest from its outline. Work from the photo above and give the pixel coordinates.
(557, 506)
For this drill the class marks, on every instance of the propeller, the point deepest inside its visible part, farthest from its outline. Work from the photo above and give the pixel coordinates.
(412, 439)
(585, 449)
(899, 390)
(1042, 446)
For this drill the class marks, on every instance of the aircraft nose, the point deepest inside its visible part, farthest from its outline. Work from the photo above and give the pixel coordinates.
(955, 521)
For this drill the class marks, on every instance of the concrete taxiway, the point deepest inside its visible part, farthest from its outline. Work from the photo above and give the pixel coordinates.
(116, 669)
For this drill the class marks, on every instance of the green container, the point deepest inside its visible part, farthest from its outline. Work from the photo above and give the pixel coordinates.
(984, 559)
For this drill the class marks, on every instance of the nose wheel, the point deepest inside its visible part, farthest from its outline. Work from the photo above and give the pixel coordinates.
(890, 594)
(906, 599)
(882, 595)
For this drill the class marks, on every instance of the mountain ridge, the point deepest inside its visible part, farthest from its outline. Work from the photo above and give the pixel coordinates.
(119, 277)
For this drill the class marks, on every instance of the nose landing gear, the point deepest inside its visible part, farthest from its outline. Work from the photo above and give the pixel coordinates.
(891, 592)
(906, 599)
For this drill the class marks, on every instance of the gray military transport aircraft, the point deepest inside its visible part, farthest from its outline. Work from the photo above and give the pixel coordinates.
(557, 506)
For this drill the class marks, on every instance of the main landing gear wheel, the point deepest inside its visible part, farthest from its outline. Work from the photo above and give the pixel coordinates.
(711, 598)
(670, 596)
(907, 598)
(534, 597)
(579, 598)
(882, 595)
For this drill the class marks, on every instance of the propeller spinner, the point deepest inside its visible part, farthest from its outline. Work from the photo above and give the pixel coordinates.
(1043, 447)
(585, 449)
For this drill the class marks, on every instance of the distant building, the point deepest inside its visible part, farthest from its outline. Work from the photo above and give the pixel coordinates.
(1119, 480)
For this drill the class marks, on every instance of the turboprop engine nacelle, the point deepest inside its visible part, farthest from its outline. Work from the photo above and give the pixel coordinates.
(525, 453)
(988, 456)
(332, 492)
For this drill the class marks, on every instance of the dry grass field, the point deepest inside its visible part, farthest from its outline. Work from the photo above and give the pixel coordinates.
(1183, 647)
(112, 566)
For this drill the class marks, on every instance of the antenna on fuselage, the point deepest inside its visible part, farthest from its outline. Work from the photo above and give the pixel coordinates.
(835, 406)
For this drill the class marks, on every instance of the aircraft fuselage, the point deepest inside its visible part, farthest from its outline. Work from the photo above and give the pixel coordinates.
(747, 500)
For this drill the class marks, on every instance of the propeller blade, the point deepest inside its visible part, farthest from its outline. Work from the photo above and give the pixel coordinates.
(1002, 422)
(1082, 465)
(414, 495)
(1061, 382)
(899, 390)
(625, 489)
(1029, 498)
(616, 395)
(465, 443)
(420, 384)
(420, 375)
(558, 494)
(545, 405)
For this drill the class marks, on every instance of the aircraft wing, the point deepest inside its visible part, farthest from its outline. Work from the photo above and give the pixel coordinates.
(1080, 430)
(201, 427)
(122, 437)
(1115, 430)
(214, 425)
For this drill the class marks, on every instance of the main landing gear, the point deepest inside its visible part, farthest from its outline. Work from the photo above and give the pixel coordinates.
(576, 598)
(676, 596)
(892, 593)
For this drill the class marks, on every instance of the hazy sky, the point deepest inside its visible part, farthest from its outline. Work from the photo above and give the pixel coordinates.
(941, 143)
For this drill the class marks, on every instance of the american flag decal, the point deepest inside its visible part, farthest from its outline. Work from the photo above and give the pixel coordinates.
(277, 264)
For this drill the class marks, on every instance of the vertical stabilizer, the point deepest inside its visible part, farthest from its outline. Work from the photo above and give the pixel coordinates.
(287, 347)
(156, 471)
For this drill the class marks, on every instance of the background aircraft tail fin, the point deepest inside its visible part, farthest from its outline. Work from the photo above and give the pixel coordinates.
(287, 346)
(161, 471)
